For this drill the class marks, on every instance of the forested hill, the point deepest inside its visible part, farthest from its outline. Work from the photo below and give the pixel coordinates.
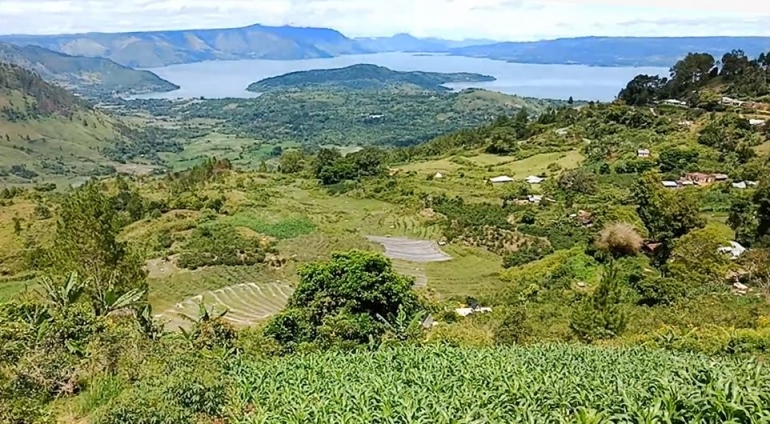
(25, 85)
(702, 80)
(365, 77)
(86, 75)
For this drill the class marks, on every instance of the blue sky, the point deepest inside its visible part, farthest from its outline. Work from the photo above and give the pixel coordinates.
(454, 19)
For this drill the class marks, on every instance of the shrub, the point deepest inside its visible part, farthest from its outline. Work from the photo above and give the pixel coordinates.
(513, 328)
(620, 239)
(530, 252)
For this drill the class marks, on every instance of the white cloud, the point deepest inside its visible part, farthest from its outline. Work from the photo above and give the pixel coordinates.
(497, 19)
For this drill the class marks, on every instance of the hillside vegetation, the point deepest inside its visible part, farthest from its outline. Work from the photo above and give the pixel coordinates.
(47, 133)
(89, 76)
(620, 273)
(364, 77)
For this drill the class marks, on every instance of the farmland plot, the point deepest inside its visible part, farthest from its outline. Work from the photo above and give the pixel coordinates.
(246, 304)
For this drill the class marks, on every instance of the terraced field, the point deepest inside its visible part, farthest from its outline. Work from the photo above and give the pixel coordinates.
(246, 304)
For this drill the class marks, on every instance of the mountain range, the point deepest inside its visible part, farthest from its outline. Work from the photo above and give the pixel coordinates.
(91, 76)
(161, 48)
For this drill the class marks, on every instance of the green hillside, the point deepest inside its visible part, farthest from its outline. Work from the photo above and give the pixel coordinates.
(365, 77)
(48, 133)
(85, 75)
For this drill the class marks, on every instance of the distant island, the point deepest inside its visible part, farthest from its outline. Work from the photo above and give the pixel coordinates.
(365, 77)
(89, 76)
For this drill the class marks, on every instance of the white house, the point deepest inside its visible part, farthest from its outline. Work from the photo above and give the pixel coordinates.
(734, 249)
(535, 198)
(732, 102)
(438, 175)
(643, 153)
(670, 184)
(501, 179)
(756, 122)
(534, 179)
(673, 102)
(741, 185)
(464, 312)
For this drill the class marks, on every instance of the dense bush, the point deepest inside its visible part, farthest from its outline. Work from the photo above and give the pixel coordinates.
(220, 244)
(346, 301)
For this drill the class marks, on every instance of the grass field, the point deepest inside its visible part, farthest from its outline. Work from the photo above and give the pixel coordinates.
(763, 149)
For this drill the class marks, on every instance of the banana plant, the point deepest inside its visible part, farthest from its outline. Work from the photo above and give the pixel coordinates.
(204, 314)
(65, 295)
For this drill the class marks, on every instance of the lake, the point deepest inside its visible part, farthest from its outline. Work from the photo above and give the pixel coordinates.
(218, 79)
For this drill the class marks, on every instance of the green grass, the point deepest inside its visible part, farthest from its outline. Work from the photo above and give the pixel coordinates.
(472, 272)
(763, 149)
(282, 229)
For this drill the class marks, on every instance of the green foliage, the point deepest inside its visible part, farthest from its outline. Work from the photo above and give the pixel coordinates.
(292, 161)
(520, 383)
(667, 214)
(220, 244)
(601, 315)
(87, 242)
(332, 168)
(513, 328)
(287, 228)
(348, 300)
(531, 251)
(696, 259)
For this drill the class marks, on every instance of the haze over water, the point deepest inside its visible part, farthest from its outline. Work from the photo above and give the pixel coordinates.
(218, 79)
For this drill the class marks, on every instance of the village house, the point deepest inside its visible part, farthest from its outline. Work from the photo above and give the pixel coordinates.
(699, 178)
(643, 153)
(438, 176)
(735, 250)
(534, 179)
(740, 186)
(729, 101)
(756, 122)
(501, 179)
(670, 184)
(534, 198)
(673, 102)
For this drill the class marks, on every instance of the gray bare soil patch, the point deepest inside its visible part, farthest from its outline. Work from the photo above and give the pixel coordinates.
(411, 250)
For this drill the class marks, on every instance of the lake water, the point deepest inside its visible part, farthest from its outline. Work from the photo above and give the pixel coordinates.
(218, 79)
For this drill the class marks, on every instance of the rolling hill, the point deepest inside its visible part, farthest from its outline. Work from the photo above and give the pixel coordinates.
(47, 132)
(90, 76)
(161, 48)
(365, 77)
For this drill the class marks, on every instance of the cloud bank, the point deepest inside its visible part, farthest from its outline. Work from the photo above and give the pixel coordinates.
(453, 19)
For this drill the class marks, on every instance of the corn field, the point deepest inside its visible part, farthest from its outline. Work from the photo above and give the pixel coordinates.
(541, 384)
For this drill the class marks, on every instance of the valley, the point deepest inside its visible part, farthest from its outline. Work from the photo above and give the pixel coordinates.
(346, 241)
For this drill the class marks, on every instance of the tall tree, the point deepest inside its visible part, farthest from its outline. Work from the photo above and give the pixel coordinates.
(692, 72)
(87, 242)
(667, 214)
